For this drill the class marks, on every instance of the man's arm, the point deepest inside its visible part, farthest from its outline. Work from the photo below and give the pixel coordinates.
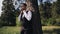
(19, 17)
(28, 15)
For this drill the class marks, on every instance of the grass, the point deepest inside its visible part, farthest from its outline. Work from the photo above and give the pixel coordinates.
(51, 29)
(10, 30)
(17, 29)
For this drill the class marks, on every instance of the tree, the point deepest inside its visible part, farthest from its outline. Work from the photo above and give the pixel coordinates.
(57, 12)
(58, 7)
(8, 14)
(47, 9)
(37, 27)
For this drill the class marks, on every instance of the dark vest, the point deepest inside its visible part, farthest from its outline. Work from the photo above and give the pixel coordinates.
(27, 24)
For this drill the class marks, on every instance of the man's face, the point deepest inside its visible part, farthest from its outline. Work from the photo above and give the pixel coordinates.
(23, 7)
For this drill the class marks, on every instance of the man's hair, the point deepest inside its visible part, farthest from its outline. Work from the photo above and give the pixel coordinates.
(24, 4)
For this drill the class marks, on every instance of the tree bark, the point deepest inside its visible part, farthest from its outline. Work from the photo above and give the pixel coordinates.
(37, 27)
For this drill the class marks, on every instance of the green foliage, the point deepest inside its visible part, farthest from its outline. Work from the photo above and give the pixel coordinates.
(0, 22)
(18, 23)
(50, 13)
(58, 7)
(8, 14)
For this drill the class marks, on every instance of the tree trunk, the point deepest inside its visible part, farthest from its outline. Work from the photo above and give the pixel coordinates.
(37, 27)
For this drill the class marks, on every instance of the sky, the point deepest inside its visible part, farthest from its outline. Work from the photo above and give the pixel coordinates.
(15, 5)
(0, 6)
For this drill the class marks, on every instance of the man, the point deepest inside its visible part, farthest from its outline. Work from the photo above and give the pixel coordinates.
(26, 18)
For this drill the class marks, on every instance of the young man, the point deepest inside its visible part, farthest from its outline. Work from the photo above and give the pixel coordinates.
(26, 18)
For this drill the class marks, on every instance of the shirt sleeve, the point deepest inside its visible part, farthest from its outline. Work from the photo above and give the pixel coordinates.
(28, 15)
(19, 17)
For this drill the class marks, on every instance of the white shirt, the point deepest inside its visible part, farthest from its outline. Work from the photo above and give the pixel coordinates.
(28, 15)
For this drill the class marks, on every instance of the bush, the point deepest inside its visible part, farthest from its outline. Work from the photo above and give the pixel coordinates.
(1, 23)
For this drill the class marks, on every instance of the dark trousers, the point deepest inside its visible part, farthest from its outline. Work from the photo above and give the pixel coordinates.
(28, 31)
